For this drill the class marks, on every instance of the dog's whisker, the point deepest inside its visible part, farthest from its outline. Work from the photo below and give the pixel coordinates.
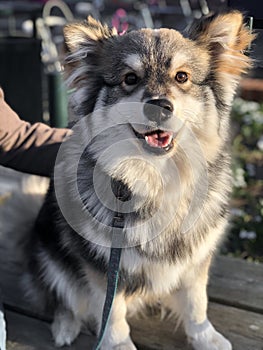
(180, 132)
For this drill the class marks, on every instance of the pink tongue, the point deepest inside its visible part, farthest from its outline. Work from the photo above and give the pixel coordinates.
(159, 139)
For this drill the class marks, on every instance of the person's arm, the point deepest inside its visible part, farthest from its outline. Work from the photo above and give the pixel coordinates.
(25, 147)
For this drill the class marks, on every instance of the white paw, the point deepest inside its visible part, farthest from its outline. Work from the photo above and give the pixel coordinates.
(65, 329)
(126, 345)
(205, 337)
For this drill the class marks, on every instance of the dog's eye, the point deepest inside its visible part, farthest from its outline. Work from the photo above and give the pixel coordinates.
(181, 77)
(131, 79)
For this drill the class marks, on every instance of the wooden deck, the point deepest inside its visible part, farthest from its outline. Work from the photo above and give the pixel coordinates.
(235, 308)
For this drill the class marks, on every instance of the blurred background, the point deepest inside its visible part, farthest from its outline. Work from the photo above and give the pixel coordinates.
(31, 37)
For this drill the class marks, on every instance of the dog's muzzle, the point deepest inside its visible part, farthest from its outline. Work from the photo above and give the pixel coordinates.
(155, 137)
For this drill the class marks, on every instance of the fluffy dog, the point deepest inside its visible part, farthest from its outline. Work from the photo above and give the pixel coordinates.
(151, 123)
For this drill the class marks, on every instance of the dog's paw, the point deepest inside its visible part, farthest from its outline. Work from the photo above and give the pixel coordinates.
(65, 329)
(126, 345)
(205, 337)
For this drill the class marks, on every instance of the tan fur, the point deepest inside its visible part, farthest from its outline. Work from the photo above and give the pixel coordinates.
(75, 34)
(234, 42)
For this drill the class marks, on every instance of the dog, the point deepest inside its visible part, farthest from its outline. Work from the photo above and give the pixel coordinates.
(150, 114)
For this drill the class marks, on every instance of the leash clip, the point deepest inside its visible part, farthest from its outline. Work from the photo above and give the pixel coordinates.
(118, 220)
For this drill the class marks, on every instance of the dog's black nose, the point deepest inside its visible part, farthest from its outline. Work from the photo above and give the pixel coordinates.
(158, 110)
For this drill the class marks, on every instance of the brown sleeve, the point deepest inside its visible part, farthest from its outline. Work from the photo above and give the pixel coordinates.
(25, 147)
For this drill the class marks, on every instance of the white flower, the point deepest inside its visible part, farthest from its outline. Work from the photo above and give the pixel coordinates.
(242, 106)
(260, 143)
(239, 178)
(251, 169)
(244, 234)
(258, 218)
(237, 212)
(257, 117)
(247, 119)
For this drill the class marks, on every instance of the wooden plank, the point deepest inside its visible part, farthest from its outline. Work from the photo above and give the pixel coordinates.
(237, 283)
(244, 329)
(26, 333)
(233, 282)
(150, 333)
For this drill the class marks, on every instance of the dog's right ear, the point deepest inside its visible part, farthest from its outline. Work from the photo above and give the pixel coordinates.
(84, 44)
(86, 35)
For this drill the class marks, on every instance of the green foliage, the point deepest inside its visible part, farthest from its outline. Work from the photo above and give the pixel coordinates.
(246, 233)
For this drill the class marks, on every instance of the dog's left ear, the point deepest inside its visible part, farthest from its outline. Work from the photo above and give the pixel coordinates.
(86, 35)
(84, 42)
(226, 37)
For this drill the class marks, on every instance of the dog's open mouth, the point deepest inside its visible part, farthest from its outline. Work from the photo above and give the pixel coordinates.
(157, 139)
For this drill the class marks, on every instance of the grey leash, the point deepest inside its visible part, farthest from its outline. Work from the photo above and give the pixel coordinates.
(113, 273)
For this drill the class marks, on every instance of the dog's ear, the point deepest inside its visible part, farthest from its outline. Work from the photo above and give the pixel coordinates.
(83, 44)
(86, 35)
(226, 37)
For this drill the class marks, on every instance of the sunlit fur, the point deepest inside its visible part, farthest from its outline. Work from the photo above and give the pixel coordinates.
(179, 199)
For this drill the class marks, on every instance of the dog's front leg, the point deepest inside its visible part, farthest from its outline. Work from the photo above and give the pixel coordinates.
(191, 304)
(65, 327)
(117, 336)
